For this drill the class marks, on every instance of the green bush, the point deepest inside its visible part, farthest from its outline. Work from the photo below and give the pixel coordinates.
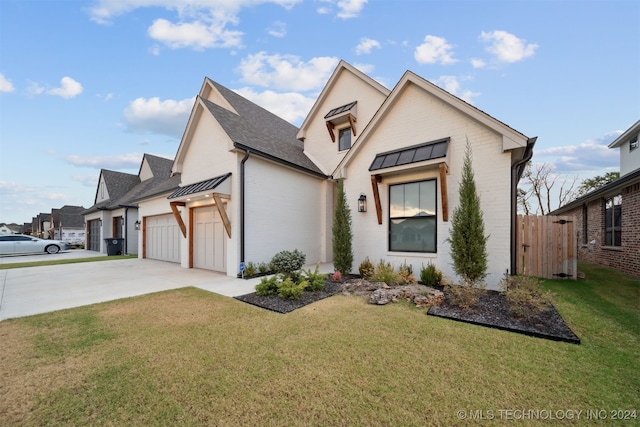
(286, 262)
(267, 286)
(342, 234)
(366, 269)
(524, 296)
(315, 279)
(384, 272)
(263, 268)
(288, 289)
(250, 269)
(430, 275)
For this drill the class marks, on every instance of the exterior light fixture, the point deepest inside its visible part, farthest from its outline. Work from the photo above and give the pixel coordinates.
(137, 225)
(362, 203)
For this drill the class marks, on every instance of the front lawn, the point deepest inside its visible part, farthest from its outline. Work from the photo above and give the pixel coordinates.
(195, 358)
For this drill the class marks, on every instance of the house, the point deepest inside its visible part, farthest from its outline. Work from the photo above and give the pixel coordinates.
(608, 218)
(41, 225)
(115, 210)
(252, 184)
(68, 224)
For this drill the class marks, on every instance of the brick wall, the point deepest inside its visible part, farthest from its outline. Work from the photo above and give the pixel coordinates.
(624, 258)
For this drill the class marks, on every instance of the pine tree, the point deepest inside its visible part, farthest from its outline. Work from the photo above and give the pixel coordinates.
(342, 249)
(468, 242)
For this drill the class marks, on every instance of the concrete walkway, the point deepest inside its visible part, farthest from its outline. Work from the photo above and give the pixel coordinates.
(33, 290)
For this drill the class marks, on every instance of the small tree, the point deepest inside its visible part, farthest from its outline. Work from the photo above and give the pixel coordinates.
(468, 242)
(342, 249)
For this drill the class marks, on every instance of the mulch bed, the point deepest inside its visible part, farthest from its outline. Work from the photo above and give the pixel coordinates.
(492, 311)
(279, 305)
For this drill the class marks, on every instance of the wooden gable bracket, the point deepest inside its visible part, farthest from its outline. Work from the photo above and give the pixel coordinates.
(330, 128)
(223, 213)
(375, 179)
(352, 123)
(176, 214)
(444, 169)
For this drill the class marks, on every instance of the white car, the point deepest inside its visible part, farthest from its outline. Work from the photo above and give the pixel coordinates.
(11, 244)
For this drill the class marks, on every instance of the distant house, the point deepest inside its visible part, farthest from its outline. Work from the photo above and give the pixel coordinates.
(608, 218)
(252, 184)
(68, 224)
(41, 226)
(115, 210)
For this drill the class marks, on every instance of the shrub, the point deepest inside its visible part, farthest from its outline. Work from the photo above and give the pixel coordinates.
(465, 294)
(286, 262)
(384, 272)
(366, 269)
(288, 289)
(405, 274)
(263, 268)
(315, 279)
(267, 286)
(250, 269)
(342, 248)
(524, 296)
(430, 275)
(336, 277)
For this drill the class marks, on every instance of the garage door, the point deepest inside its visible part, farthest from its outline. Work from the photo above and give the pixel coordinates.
(209, 243)
(162, 238)
(94, 235)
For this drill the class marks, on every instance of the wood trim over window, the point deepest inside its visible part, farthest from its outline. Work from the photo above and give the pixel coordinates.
(443, 191)
(352, 123)
(223, 213)
(330, 128)
(176, 214)
(375, 179)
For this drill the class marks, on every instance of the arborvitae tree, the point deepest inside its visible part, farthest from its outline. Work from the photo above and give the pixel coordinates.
(342, 249)
(468, 242)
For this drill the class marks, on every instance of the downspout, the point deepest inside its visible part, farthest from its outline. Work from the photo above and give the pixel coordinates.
(126, 232)
(516, 172)
(244, 160)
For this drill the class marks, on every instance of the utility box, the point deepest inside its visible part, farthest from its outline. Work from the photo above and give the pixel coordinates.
(115, 246)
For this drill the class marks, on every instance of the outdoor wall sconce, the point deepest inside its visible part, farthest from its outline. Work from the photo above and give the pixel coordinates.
(362, 203)
(137, 225)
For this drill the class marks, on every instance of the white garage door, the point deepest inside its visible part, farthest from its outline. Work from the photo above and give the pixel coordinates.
(163, 238)
(209, 240)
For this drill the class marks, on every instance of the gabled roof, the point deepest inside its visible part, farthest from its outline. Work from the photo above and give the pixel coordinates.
(249, 127)
(68, 216)
(342, 66)
(514, 139)
(626, 135)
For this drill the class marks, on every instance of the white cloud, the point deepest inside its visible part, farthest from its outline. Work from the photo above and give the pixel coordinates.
(478, 63)
(506, 47)
(434, 50)
(591, 156)
(118, 161)
(5, 84)
(34, 89)
(86, 180)
(69, 88)
(278, 29)
(152, 115)
(366, 45)
(290, 106)
(286, 72)
(199, 24)
(350, 8)
(452, 85)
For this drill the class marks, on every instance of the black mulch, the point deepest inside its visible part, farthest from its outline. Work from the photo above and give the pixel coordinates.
(279, 305)
(492, 311)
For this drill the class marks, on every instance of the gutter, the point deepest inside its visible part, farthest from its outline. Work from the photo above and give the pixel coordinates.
(242, 191)
(516, 173)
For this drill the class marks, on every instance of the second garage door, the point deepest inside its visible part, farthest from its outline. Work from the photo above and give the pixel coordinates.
(162, 238)
(209, 244)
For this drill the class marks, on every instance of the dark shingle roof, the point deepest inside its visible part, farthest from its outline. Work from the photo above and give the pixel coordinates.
(260, 131)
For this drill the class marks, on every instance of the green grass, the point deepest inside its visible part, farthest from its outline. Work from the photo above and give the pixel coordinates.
(64, 261)
(191, 357)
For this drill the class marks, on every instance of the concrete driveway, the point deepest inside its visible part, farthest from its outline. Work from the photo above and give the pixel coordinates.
(33, 290)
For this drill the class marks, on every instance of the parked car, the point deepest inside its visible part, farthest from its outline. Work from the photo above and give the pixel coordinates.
(20, 244)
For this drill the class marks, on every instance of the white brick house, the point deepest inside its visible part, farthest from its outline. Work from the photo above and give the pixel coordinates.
(253, 184)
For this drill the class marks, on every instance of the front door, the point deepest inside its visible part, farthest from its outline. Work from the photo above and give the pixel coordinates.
(209, 244)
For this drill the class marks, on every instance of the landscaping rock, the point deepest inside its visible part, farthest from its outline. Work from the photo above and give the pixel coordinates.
(380, 293)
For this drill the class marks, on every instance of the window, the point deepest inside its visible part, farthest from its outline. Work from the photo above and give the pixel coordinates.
(613, 221)
(412, 217)
(344, 139)
(633, 144)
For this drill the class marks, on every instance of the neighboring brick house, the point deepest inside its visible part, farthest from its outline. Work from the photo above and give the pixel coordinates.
(608, 218)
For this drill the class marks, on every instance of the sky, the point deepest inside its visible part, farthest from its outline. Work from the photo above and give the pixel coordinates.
(87, 85)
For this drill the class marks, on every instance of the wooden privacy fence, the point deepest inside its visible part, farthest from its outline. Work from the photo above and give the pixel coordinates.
(547, 246)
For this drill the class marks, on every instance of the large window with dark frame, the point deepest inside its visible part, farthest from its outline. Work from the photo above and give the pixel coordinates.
(412, 217)
(613, 221)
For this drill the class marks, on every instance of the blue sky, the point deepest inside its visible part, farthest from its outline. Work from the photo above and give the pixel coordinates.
(86, 85)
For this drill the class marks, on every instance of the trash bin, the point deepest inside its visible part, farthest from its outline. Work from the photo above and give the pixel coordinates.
(114, 246)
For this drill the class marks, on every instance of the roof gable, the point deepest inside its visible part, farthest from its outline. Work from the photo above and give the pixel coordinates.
(626, 135)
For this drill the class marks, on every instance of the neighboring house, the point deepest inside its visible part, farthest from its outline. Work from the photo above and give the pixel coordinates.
(68, 224)
(252, 184)
(608, 218)
(115, 211)
(5, 229)
(41, 225)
